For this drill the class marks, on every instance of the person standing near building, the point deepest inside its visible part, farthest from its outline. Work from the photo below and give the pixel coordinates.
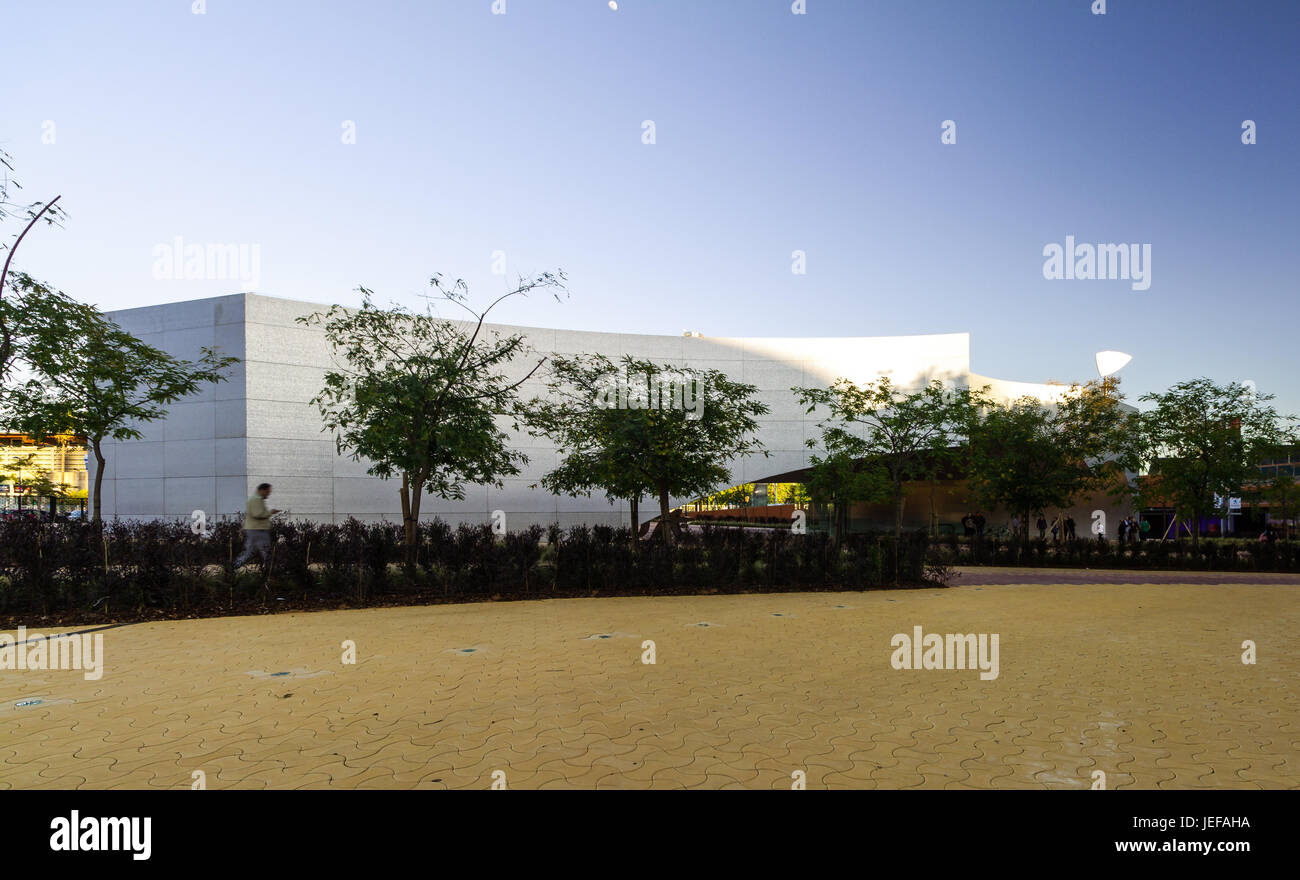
(1042, 527)
(1123, 531)
(257, 525)
(1069, 527)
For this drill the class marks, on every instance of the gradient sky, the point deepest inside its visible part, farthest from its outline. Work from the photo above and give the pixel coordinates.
(775, 132)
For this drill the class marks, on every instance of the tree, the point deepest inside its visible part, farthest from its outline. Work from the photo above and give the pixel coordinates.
(30, 312)
(33, 483)
(1028, 456)
(601, 448)
(637, 427)
(418, 396)
(96, 380)
(841, 477)
(736, 496)
(32, 213)
(1281, 493)
(896, 431)
(15, 477)
(1203, 440)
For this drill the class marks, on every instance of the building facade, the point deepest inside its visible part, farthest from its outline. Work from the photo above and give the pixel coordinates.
(212, 449)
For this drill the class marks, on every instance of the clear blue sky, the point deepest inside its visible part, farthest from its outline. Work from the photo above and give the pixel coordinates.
(775, 132)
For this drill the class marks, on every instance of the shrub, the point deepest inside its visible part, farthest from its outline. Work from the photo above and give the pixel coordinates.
(161, 568)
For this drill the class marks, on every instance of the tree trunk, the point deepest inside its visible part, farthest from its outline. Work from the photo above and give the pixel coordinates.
(413, 528)
(634, 508)
(664, 525)
(901, 499)
(404, 494)
(99, 479)
(410, 495)
(934, 516)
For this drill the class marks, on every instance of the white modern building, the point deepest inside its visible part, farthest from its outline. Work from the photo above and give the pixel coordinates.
(259, 426)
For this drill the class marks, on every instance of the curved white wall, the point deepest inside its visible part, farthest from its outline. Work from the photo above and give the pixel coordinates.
(214, 448)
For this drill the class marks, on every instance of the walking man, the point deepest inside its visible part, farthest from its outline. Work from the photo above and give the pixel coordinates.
(257, 526)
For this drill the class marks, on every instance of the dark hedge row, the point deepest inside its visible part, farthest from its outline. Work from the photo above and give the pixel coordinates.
(130, 567)
(1210, 555)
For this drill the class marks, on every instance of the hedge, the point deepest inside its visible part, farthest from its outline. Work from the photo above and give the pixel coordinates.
(156, 568)
(1213, 554)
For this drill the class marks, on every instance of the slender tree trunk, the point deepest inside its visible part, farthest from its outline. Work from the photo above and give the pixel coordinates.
(405, 494)
(634, 508)
(664, 525)
(411, 532)
(99, 479)
(900, 500)
(934, 516)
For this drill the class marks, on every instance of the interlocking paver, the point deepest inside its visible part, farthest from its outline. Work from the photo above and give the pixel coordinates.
(1141, 681)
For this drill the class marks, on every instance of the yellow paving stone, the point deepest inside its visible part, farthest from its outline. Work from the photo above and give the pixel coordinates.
(1141, 681)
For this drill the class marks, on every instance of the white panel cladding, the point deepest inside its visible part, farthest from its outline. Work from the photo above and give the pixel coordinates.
(194, 458)
(183, 495)
(232, 494)
(260, 425)
(189, 458)
(302, 497)
(190, 419)
(229, 457)
(135, 460)
(138, 497)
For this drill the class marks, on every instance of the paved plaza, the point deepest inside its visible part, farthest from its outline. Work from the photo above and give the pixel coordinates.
(1142, 681)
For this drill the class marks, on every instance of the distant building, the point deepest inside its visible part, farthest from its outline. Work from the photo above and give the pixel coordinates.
(24, 461)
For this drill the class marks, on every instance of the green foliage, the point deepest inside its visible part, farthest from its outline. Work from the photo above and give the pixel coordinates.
(658, 450)
(94, 379)
(1281, 493)
(878, 437)
(1202, 440)
(419, 396)
(1028, 456)
(28, 215)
